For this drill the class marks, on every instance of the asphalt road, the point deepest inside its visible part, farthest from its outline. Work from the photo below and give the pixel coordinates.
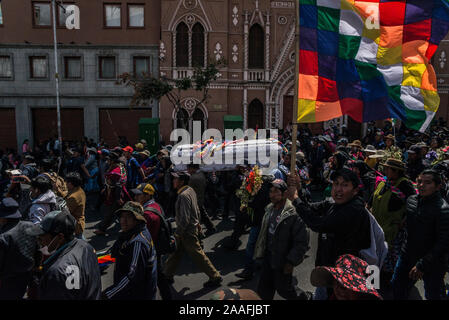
(189, 280)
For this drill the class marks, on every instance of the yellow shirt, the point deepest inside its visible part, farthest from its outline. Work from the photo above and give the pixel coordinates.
(371, 162)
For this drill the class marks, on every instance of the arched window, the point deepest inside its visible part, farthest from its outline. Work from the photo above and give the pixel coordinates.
(198, 45)
(255, 115)
(182, 119)
(198, 115)
(182, 45)
(256, 47)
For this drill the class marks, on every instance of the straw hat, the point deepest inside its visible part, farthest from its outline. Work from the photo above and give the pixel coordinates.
(370, 149)
(356, 143)
(379, 154)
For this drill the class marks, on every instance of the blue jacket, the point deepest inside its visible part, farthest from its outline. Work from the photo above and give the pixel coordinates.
(135, 273)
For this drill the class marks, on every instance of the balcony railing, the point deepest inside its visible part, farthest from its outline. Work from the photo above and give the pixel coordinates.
(180, 73)
(256, 75)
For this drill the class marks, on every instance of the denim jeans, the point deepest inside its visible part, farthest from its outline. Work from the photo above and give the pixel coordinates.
(402, 284)
(320, 293)
(251, 246)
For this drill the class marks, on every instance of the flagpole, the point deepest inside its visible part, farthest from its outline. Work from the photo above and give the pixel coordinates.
(295, 101)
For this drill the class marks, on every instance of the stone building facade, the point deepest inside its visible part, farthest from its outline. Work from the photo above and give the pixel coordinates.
(115, 36)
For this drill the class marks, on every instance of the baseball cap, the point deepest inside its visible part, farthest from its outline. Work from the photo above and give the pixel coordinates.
(144, 188)
(135, 208)
(279, 184)
(128, 149)
(9, 208)
(54, 222)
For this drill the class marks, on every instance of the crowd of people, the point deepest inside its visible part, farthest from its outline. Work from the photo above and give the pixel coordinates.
(382, 202)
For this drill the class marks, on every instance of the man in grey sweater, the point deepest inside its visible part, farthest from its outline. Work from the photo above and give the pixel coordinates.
(187, 232)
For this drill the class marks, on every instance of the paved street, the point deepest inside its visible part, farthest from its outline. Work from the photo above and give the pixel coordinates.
(189, 281)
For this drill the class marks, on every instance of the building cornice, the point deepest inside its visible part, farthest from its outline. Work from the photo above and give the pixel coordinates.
(77, 46)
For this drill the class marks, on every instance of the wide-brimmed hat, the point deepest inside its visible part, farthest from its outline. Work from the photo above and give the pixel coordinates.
(422, 145)
(379, 154)
(355, 143)
(350, 272)
(395, 164)
(145, 153)
(9, 209)
(390, 136)
(135, 208)
(370, 148)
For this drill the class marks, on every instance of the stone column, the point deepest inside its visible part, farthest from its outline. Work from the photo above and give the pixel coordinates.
(24, 125)
(246, 45)
(267, 49)
(91, 122)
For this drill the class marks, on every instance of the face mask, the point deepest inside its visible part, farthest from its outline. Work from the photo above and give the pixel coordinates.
(44, 250)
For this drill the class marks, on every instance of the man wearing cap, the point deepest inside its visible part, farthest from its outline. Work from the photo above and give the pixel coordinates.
(187, 232)
(134, 172)
(29, 167)
(17, 251)
(76, 163)
(415, 163)
(69, 269)
(144, 194)
(135, 272)
(282, 243)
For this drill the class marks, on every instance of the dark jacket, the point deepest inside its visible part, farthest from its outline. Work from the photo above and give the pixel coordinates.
(135, 274)
(414, 169)
(55, 275)
(343, 229)
(427, 224)
(259, 203)
(290, 241)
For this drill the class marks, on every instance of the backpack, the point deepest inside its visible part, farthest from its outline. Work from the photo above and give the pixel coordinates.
(378, 250)
(58, 183)
(166, 243)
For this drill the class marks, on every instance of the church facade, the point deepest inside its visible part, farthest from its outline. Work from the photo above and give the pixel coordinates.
(256, 38)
